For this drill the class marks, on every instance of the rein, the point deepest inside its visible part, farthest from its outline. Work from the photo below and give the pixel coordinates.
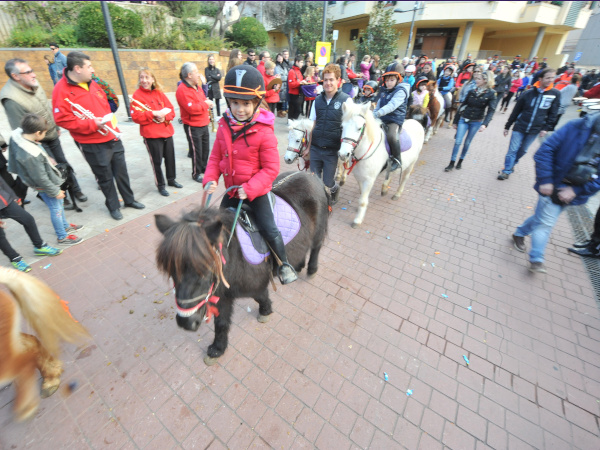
(354, 143)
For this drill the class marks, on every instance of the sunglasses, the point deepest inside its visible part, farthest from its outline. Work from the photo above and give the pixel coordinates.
(53, 48)
(26, 73)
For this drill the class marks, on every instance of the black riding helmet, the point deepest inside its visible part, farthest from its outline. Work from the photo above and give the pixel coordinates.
(421, 80)
(394, 69)
(370, 86)
(244, 82)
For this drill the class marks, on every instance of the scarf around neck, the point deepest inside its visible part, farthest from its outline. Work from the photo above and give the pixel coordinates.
(235, 124)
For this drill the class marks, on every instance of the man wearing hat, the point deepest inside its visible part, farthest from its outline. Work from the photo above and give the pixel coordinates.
(516, 64)
(466, 62)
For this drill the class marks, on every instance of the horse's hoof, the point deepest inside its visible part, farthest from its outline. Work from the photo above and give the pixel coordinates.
(310, 276)
(395, 197)
(342, 182)
(355, 225)
(263, 319)
(48, 391)
(384, 192)
(210, 361)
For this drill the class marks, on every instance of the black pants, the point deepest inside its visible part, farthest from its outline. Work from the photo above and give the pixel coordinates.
(392, 131)
(217, 101)
(18, 214)
(308, 105)
(261, 206)
(506, 100)
(107, 161)
(272, 107)
(159, 148)
(295, 106)
(55, 150)
(199, 147)
(595, 238)
(323, 163)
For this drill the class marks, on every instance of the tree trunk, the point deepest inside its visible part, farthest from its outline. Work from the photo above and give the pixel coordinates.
(218, 20)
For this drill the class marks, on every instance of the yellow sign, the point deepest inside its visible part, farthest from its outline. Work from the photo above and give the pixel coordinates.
(323, 54)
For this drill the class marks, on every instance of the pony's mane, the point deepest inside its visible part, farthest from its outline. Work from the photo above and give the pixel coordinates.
(373, 125)
(186, 244)
(432, 86)
(302, 124)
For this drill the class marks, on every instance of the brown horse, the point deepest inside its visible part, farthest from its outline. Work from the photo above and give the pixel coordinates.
(21, 354)
(435, 108)
(455, 105)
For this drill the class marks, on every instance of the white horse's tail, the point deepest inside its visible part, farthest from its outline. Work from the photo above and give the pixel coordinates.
(44, 310)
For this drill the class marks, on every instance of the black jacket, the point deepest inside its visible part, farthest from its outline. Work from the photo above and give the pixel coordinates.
(7, 195)
(213, 76)
(535, 111)
(503, 83)
(249, 62)
(476, 107)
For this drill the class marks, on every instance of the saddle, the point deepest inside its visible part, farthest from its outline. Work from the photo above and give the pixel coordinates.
(405, 142)
(254, 247)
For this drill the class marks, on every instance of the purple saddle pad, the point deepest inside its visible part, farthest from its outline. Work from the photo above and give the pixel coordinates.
(287, 221)
(405, 142)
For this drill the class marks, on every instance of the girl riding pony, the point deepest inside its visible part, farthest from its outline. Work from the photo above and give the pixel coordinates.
(245, 153)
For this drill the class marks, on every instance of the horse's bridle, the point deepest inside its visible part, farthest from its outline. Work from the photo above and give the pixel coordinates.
(203, 299)
(303, 145)
(354, 143)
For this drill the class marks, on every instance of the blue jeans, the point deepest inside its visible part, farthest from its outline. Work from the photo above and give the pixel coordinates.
(463, 127)
(539, 226)
(323, 163)
(519, 143)
(57, 214)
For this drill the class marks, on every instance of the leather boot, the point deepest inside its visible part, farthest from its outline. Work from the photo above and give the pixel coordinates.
(335, 193)
(286, 272)
(459, 165)
(449, 167)
(395, 158)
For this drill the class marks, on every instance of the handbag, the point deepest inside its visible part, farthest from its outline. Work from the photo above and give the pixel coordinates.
(585, 166)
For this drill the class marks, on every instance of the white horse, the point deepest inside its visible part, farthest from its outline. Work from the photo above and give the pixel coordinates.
(298, 148)
(363, 151)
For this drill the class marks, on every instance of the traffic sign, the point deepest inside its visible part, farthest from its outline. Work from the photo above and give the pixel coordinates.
(577, 56)
(335, 35)
(323, 54)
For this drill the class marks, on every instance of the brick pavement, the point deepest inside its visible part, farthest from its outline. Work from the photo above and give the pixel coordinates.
(314, 375)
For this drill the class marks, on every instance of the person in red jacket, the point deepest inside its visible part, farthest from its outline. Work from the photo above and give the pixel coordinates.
(82, 114)
(295, 79)
(245, 153)
(564, 79)
(272, 95)
(465, 75)
(194, 108)
(154, 113)
(594, 92)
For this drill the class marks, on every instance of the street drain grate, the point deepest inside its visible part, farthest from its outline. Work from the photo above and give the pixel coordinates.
(582, 222)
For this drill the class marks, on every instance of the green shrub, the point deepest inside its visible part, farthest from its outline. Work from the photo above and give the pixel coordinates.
(208, 9)
(191, 9)
(191, 28)
(163, 41)
(248, 33)
(127, 25)
(29, 37)
(65, 35)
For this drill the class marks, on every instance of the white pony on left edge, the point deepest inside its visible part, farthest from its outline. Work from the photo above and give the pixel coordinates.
(363, 151)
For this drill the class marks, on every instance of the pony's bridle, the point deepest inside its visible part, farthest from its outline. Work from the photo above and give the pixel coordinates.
(203, 299)
(355, 143)
(304, 143)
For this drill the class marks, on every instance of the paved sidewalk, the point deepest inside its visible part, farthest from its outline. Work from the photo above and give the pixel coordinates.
(391, 297)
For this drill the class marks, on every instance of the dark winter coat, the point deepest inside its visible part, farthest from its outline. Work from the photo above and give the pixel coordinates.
(556, 155)
(503, 83)
(213, 76)
(476, 106)
(535, 111)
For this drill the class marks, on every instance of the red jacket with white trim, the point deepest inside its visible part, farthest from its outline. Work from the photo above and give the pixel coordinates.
(83, 130)
(294, 79)
(192, 105)
(155, 100)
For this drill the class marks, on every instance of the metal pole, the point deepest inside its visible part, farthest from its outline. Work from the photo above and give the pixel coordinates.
(113, 47)
(324, 22)
(412, 26)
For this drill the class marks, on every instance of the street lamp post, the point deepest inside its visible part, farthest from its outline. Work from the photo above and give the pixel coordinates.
(412, 24)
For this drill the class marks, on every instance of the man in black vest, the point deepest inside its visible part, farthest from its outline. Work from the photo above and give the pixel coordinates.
(326, 114)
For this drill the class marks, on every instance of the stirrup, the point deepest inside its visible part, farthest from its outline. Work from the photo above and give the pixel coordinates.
(294, 274)
(395, 164)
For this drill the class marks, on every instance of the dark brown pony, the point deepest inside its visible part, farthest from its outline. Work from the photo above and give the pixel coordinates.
(21, 354)
(209, 276)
